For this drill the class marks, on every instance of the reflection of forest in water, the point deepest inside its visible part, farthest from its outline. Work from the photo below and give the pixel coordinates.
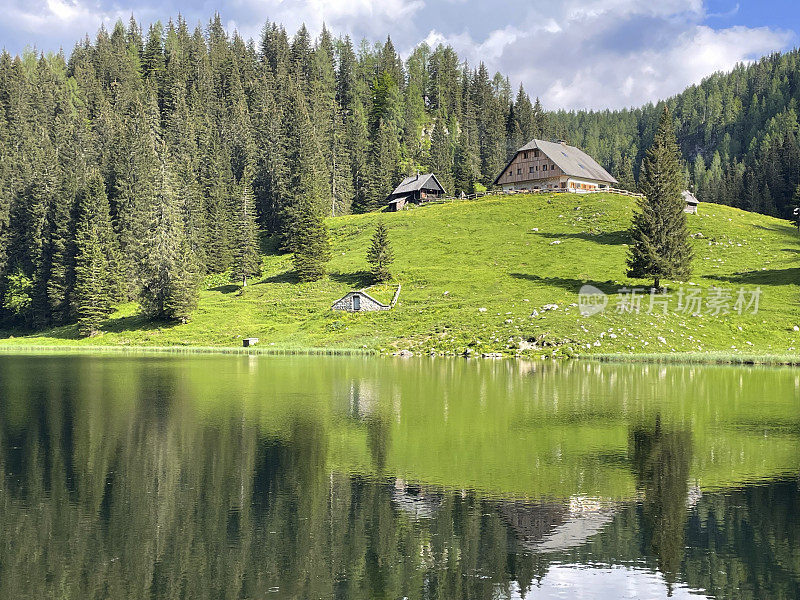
(120, 482)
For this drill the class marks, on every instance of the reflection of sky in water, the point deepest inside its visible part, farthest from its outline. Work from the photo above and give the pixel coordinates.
(577, 582)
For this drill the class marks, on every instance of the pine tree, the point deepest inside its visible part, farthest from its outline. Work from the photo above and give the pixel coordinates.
(467, 163)
(539, 125)
(96, 286)
(627, 181)
(380, 254)
(168, 271)
(246, 257)
(441, 162)
(311, 247)
(381, 168)
(660, 237)
(307, 187)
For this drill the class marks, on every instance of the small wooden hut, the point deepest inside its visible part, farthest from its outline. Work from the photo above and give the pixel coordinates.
(415, 190)
(691, 202)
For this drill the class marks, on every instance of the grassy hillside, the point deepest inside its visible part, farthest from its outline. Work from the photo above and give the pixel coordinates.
(475, 275)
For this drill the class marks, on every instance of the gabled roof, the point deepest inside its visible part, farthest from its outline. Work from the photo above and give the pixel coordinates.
(689, 197)
(362, 293)
(573, 161)
(416, 183)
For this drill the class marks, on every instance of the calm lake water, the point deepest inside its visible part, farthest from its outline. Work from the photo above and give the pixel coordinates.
(256, 477)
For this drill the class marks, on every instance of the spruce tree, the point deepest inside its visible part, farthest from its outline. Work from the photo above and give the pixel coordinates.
(660, 238)
(627, 180)
(168, 272)
(380, 254)
(95, 283)
(311, 247)
(441, 161)
(307, 186)
(381, 169)
(246, 257)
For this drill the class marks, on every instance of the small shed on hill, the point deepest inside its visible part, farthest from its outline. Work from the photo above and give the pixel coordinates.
(415, 190)
(691, 202)
(361, 301)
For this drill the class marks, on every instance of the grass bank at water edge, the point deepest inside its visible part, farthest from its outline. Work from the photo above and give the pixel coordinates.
(497, 275)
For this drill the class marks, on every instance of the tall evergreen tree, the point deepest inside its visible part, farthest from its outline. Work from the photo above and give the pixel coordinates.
(441, 161)
(96, 285)
(246, 257)
(168, 272)
(380, 254)
(660, 238)
(626, 178)
(307, 187)
(311, 246)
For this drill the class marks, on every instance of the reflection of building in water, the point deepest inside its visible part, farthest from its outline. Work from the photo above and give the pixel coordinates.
(363, 398)
(415, 500)
(693, 496)
(556, 526)
(532, 522)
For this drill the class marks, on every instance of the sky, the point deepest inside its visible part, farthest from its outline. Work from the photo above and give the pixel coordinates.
(573, 54)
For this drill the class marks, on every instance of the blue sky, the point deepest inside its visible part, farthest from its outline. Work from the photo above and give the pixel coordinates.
(571, 53)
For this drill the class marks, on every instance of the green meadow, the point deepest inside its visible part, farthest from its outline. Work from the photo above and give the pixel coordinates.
(501, 275)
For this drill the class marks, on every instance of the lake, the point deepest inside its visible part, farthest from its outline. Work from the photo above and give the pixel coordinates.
(159, 476)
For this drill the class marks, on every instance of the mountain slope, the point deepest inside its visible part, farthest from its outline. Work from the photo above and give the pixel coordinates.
(511, 256)
(738, 132)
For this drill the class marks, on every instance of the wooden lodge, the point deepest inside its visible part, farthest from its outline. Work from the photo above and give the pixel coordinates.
(415, 190)
(542, 165)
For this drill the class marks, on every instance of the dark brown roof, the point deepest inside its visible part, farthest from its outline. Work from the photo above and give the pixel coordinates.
(416, 183)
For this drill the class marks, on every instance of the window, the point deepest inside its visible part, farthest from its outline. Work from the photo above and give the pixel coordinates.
(356, 303)
(544, 167)
(531, 170)
(525, 155)
(519, 171)
(536, 154)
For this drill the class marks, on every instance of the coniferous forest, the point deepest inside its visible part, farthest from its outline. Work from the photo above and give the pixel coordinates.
(141, 161)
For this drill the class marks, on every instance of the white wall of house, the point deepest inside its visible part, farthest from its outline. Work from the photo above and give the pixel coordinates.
(573, 184)
(533, 184)
(578, 184)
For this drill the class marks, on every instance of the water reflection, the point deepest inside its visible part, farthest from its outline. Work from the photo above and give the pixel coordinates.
(350, 478)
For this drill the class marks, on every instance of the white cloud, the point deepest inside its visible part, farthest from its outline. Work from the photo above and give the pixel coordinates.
(360, 16)
(613, 53)
(571, 53)
(65, 15)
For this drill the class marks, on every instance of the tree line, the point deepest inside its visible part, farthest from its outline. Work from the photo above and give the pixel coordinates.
(141, 162)
(737, 132)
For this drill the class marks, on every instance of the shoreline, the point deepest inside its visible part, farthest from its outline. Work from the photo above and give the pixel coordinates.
(686, 358)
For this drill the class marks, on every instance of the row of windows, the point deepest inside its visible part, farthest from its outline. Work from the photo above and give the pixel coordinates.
(535, 154)
(533, 169)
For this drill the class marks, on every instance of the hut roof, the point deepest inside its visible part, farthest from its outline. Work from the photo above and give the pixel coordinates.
(361, 293)
(414, 183)
(689, 197)
(573, 161)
